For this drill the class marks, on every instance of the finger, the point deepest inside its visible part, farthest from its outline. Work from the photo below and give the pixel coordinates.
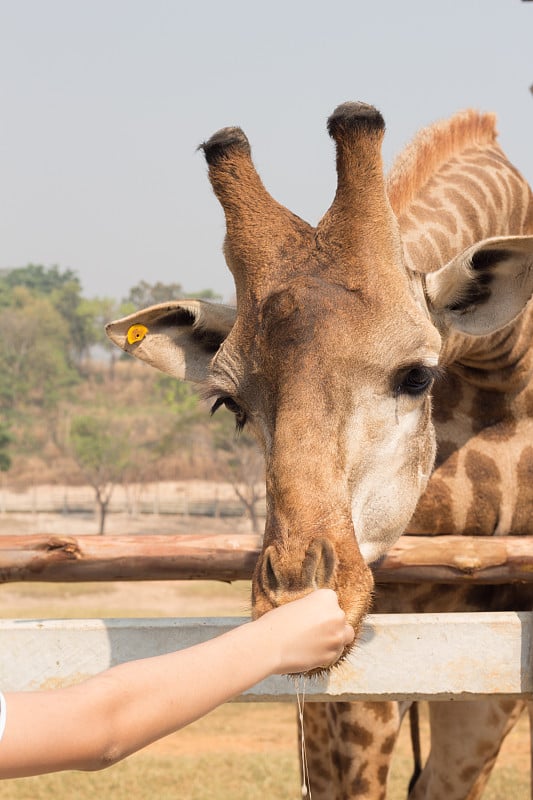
(349, 634)
(337, 657)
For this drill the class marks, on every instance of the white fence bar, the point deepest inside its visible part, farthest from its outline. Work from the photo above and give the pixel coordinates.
(420, 656)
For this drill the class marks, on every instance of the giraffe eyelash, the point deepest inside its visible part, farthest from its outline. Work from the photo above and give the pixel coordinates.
(232, 406)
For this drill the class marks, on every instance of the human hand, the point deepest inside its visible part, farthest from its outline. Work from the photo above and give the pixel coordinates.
(308, 633)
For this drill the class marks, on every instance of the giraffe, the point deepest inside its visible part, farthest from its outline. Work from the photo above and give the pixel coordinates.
(452, 185)
(411, 291)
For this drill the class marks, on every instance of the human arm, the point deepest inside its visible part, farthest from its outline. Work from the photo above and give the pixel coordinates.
(107, 717)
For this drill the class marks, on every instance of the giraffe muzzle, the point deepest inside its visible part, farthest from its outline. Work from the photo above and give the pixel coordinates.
(315, 571)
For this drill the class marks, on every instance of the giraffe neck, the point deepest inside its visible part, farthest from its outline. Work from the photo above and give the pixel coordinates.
(500, 363)
(452, 187)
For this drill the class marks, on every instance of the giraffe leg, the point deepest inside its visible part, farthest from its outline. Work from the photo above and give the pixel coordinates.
(316, 751)
(465, 740)
(351, 752)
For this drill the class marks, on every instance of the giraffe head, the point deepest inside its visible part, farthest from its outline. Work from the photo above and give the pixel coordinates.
(328, 358)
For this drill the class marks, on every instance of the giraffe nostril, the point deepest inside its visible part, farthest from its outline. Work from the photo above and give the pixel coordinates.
(319, 564)
(280, 581)
(270, 580)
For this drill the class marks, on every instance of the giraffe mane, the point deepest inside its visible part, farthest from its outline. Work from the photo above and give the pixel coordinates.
(431, 148)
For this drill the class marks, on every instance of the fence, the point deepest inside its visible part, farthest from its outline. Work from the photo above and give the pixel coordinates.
(463, 655)
(184, 498)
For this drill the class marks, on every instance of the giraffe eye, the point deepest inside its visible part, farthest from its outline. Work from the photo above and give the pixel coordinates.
(414, 381)
(231, 405)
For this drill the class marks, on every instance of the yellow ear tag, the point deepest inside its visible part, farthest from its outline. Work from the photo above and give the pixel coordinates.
(136, 333)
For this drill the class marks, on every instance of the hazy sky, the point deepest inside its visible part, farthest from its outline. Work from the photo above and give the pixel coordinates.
(103, 103)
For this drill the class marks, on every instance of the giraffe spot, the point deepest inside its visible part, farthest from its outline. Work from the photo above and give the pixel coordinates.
(382, 711)
(360, 784)
(356, 734)
(495, 165)
(434, 512)
(383, 771)
(507, 705)
(421, 605)
(388, 744)
(492, 185)
(522, 521)
(490, 416)
(447, 458)
(324, 737)
(320, 773)
(529, 404)
(447, 395)
(483, 199)
(422, 212)
(485, 478)
(440, 239)
(342, 763)
(447, 220)
(484, 747)
(470, 210)
(468, 773)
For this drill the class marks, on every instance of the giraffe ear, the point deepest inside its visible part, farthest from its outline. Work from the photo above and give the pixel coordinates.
(179, 337)
(485, 287)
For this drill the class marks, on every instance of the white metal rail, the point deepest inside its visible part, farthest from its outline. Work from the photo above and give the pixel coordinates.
(419, 656)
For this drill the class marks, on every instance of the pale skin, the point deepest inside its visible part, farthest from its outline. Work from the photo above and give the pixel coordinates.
(106, 718)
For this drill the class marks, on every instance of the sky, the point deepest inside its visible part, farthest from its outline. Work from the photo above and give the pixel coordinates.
(103, 104)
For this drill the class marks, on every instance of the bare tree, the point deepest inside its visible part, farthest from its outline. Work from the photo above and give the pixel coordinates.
(102, 451)
(241, 463)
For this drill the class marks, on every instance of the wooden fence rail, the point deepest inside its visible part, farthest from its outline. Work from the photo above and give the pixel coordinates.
(440, 559)
(416, 656)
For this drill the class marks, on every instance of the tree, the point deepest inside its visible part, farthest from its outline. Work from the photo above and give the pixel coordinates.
(100, 311)
(146, 294)
(204, 294)
(39, 279)
(62, 288)
(241, 463)
(102, 450)
(68, 301)
(34, 366)
(5, 441)
(186, 428)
